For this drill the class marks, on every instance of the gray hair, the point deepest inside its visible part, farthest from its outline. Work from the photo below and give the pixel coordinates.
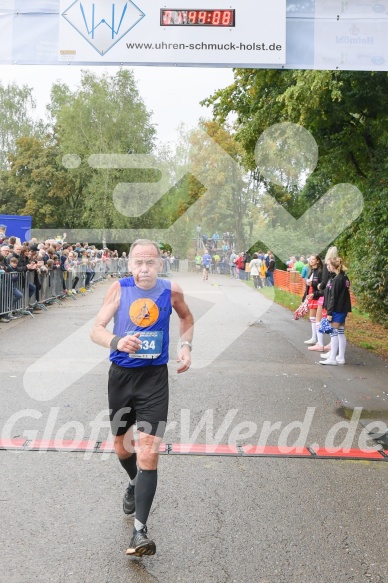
(144, 243)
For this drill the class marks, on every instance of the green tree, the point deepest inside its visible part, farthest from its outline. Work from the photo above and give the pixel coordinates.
(16, 120)
(38, 185)
(106, 115)
(225, 207)
(346, 113)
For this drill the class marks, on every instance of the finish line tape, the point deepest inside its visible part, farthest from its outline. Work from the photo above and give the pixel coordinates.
(20, 444)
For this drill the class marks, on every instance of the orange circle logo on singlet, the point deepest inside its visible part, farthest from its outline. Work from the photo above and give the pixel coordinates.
(144, 312)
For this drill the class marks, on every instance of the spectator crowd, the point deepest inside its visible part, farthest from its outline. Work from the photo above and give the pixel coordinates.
(326, 299)
(240, 265)
(34, 272)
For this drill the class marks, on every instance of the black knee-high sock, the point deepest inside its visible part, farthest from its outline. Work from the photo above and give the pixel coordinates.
(144, 493)
(129, 465)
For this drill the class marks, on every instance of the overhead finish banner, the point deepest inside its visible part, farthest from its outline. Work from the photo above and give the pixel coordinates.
(153, 31)
(290, 34)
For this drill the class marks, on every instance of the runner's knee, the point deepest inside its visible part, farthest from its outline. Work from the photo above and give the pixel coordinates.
(124, 447)
(148, 452)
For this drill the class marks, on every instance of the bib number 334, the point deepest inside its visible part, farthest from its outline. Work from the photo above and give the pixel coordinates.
(151, 344)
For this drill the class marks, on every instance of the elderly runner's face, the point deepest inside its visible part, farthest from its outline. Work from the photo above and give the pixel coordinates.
(145, 265)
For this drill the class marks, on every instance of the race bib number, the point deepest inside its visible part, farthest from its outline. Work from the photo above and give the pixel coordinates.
(151, 344)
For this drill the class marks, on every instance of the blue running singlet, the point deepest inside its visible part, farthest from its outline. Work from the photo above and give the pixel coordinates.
(147, 312)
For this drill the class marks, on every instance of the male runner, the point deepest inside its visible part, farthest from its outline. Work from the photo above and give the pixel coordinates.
(206, 262)
(138, 376)
(198, 261)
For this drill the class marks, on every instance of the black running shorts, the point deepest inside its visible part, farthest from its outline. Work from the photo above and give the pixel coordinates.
(138, 395)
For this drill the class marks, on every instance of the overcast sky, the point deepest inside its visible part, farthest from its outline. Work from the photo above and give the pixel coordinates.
(172, 93)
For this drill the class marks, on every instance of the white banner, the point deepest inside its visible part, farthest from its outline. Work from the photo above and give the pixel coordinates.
(351, 44)
(352, 9)
(291, 34)
(153, 31)
(6, 36)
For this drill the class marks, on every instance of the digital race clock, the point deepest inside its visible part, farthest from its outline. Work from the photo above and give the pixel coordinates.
(191, 17)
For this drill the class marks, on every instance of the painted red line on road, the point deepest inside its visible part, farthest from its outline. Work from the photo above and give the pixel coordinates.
(15, 443)
(204, 449)
(194, 449)
(105, 447)
(345, 454)
(108, 447)
(60, 445)
(274, 450)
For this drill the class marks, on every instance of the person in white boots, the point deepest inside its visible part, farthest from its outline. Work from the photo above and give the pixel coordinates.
(313, 294)
(322, 301)
(338, 307)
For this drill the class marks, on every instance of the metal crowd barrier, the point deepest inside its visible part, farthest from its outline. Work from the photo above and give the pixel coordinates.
(6, 293)
(21, 293)
(40, 289)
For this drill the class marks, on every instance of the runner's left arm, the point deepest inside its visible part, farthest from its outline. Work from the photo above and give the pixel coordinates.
(186, 325)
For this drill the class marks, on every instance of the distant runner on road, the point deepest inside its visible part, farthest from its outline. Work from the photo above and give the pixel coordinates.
(206, 262)
(138, 378)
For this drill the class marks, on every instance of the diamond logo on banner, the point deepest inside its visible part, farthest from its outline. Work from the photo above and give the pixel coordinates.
(102, 24)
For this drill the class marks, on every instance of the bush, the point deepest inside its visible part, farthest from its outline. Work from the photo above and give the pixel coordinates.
(369, 265)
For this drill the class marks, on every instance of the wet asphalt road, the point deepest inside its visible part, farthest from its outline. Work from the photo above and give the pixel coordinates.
(214, 519)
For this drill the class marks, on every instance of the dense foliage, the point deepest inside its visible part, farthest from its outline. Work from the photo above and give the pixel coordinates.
(347, 113)
(105, 115)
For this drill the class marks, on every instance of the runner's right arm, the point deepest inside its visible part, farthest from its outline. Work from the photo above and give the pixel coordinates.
(100, 335)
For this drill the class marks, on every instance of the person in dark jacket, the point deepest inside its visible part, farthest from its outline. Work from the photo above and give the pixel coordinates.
(313, 294)
(11, 268)
(247, 260)
(321, 287)
(24, 266)
(271, 266)
(338, 307)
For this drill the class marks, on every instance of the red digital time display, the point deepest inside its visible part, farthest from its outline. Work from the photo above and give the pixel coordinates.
(189, 17)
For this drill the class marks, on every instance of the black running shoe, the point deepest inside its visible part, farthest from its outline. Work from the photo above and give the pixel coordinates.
(129, 501)
(140, 544)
